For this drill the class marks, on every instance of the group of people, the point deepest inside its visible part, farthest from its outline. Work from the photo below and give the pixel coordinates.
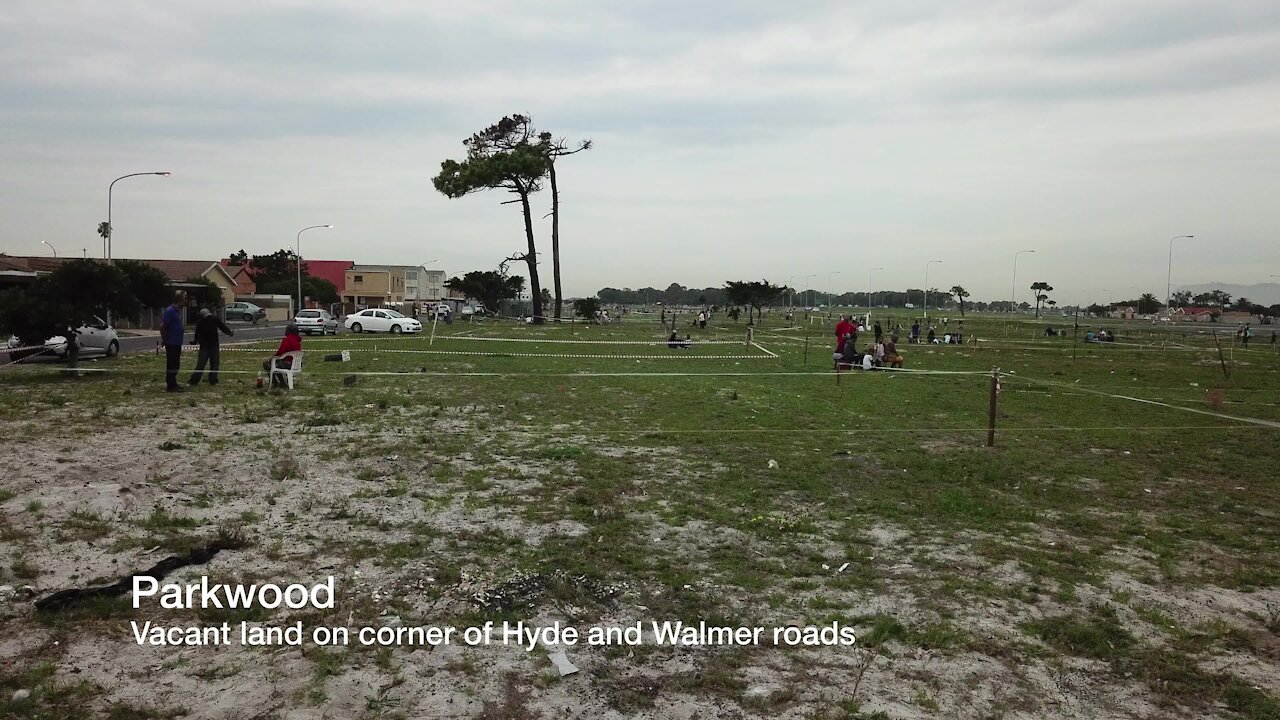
(675, 343)
(879, 353)
(933, 337)
(206, 337)
(602, 316)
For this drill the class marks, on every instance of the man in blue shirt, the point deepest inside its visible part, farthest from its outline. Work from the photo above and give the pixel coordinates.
(171, 334)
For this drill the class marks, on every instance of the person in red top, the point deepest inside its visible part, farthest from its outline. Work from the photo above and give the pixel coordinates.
(292, 342)
(844, 329)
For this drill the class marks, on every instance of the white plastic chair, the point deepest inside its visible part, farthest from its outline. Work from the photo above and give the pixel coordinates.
(287, 373)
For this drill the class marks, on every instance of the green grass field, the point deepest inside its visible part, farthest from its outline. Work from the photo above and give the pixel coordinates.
(1108, 557)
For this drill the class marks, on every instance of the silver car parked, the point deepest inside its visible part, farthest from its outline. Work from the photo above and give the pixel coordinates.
(316, 321)
(92, 338)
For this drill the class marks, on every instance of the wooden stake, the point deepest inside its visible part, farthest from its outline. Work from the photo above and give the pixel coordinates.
(1221, 359)
(991, 410)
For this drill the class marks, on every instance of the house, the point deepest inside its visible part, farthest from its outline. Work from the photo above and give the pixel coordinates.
(178, 272)
(332, 270)
(373, 286)
(420, 284)
(1195, 314)
(1125, 312)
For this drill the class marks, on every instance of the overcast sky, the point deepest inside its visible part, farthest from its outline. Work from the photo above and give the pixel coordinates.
(733, 138)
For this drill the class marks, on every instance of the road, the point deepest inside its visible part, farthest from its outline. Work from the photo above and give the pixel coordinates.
(243, 331)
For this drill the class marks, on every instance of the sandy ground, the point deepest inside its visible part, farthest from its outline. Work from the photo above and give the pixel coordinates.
(307, 524)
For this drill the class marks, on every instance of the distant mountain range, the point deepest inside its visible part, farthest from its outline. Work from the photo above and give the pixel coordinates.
(1262, 293)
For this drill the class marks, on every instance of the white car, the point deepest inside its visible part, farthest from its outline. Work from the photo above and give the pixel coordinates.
(315, 321)
(95, 338)
(382, 320)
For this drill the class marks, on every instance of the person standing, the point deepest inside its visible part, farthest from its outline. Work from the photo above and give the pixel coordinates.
(171, 333)
(205, 337)
(879, 332)
(844, 327)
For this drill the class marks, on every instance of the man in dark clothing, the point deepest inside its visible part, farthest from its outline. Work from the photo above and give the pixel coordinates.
(206, 336)
(171, 333)
(879, 332)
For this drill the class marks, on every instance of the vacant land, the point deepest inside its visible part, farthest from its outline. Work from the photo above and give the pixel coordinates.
(1107, 558)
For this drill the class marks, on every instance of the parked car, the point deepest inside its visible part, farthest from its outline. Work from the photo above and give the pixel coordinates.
(245, 311)
(316, 321)
(93, 338)
(382, 320)
(472, 310)
(443, 309)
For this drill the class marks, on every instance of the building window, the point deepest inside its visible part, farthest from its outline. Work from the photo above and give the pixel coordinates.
(358, 278)
(411, 275)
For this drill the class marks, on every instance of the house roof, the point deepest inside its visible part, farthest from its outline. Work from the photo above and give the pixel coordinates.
(174, 270)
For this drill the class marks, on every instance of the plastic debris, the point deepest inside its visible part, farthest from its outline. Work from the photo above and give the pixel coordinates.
(561, 661)
(773, 464)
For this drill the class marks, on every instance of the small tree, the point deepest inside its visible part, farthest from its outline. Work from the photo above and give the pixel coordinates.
(1041, 290)
(754, 294)
(586, 307)
(208, 295)
(148, 284)
(960, 294)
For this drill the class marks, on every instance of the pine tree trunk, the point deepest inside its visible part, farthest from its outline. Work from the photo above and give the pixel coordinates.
(535, 288)
(555, 237)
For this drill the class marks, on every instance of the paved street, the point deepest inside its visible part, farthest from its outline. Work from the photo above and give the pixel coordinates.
(243, 331)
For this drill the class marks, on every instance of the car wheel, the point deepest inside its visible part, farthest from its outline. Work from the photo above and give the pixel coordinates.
(248, 317)
(395, 329)
(113, 349)
(355, 327)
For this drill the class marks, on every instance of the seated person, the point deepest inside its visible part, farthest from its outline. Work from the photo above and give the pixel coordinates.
(687, 342)
(848, 355)
(946, 339)
(877, 353)
(292, 342)
(673, 342)
(932, 337)
(891, 356)
(868, 363)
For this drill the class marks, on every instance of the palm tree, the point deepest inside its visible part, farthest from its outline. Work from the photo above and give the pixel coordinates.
(1041, 289)
(104, 231)
(1148, 304)
(960, 294)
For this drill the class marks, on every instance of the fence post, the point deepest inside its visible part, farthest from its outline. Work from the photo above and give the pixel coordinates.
(991, 410)
(1220, 358)
(806, 347)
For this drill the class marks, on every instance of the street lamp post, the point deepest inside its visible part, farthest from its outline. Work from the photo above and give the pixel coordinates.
(110, 231)
(298, 247)
(869, 293)
(1013, 289)
(55, 250)
(926, 287)
(1168, 283)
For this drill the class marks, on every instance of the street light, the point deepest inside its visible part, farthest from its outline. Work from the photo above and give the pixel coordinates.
(926, 287)
(869, 303)
(298, 259)
(107, 240)
(1168, 283)
(833, 272)
(55, 250)
(1013, 289)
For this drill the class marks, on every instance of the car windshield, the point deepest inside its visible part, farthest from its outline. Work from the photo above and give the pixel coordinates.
(393, 313)
(309, 314)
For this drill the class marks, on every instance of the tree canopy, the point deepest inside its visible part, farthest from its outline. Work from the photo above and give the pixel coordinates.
(753, 293)
(488, 286)
(70, 296)
(509, 156)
